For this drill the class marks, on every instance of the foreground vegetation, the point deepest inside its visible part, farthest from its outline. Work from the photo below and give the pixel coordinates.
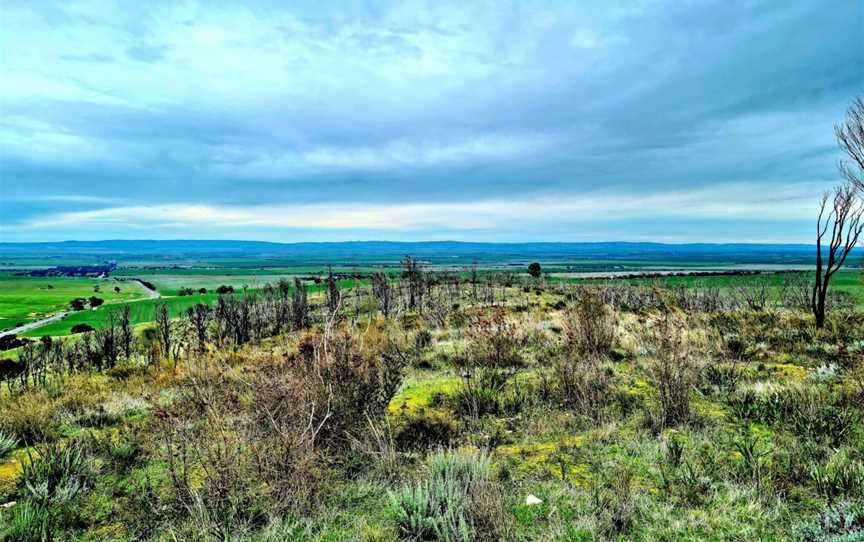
(437, 407)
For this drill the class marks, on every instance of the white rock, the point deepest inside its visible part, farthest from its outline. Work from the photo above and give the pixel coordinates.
(531, 500)
(9, 504)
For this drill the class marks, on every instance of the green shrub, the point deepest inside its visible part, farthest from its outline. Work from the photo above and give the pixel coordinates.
(31, 418)
(615, 506)
(803, 411)
(589, 327)
(456, 502)
(842, 522)
(29, 523)
(57, 473)
(840, 476)
(7, 444)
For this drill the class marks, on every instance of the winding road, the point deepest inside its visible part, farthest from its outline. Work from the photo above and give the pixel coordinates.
(34, 324)
(152, 294)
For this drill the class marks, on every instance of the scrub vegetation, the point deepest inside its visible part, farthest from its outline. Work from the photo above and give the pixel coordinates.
(427, 405)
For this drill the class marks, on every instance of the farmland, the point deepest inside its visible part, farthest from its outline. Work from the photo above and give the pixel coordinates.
(25, 299)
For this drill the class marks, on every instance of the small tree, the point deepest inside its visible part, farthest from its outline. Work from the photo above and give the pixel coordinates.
(334, 297)
(844, 217)
(126, 332)
(383, 293)
(95, 301)
(163, 328)
(535, 270)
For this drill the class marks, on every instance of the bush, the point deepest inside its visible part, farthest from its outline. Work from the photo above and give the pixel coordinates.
(492, 359)
(57, 473)
(29, 523)
(81, 328)
(841, 522)
(7, 444)
(804, 411)
(456, 502)
(673, 371)
(589, 326)
(839, 477)
(31, 418)
(615, 506)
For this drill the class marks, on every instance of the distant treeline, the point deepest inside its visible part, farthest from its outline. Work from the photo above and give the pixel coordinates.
(72, 270)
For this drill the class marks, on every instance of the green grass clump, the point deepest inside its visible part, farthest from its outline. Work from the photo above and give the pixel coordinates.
(841, 522)
(443, 506)
(7, 444)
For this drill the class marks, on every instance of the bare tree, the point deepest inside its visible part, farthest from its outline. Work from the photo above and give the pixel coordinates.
(383, 293)
(299, 305)
(163, 327)
(843, 218)
(414, 274)
(199, 318)
(850, 137)
(334, 296)
(126, 332)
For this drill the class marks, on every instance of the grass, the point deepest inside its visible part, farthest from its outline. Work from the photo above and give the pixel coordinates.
(25, 299)
(141, 313)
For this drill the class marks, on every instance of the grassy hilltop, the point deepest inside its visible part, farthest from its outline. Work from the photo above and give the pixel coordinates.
(438, 407)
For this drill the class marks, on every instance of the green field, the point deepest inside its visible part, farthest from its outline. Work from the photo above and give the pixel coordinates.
(24, 299)
(142, 310)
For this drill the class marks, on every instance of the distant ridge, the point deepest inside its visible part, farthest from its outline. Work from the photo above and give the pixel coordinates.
(441, 251)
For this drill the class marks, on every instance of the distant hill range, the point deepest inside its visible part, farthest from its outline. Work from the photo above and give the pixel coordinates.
(434, 251)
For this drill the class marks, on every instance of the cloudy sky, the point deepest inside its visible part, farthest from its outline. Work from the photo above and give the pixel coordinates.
(287, 121)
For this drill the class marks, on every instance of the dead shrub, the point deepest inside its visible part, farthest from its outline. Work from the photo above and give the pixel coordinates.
(673, 370)
(583, 377)
(492, 359)
(589, 328)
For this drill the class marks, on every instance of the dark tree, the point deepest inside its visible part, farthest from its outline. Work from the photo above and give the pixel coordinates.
(840, 214)
(844, 217)
(199, 318)
(96, 301)
(117, 289)
(163, 328)
(473, 277)
(202, 291)
(125, 335)
(334, 297)
(77, 304)
(383, 293)
(535, 270)
(299, 305)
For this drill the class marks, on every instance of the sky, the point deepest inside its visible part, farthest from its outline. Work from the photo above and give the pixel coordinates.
(672, 121)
